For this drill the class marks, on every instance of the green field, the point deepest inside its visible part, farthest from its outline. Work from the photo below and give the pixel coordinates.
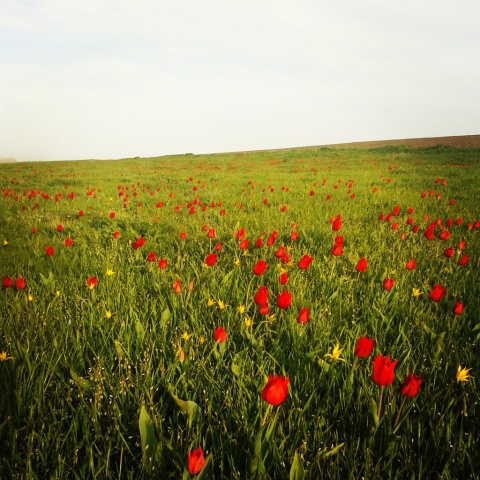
(110, 368)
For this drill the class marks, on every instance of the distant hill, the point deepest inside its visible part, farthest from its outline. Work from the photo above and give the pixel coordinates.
(7, 160)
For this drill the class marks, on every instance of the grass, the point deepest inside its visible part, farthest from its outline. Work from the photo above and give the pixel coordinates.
(99, 379)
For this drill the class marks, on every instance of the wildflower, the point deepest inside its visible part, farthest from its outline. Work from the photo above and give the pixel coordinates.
(7, 282)
(221, 305)
(177, 286)
(92, 283)
(361, 265)
(5, 242)
(108, 314)
(260, 267)
(236, 262)
(383, 370)
(364, 347)
(410, 265)
(335, 355)
(304, 315)
(162, 264)
(411, 385)
(210, 259)
(196, 461)
(304, 262)
(437, 292)
(284, 299)
(4, 358)
(248, 321)
(30, 297)
(109, 272)
(458, 308)
(49, 251)
(186, 336)
(388, 283)
(462, 374)
(219, 335)
(416, 292)
(241, 309)
(20, 283)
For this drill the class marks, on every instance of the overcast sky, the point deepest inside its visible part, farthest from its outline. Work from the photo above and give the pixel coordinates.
(117, 78)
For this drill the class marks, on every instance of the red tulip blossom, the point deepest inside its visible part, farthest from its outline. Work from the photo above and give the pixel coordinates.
(20, 283)
(364, 347)
(339, 240)
(260, 267)
(177, 286)
(116, 235)
(361, 265)
(388, 283)
(59, 228)
(449, 252)
(210, 259)
(461, 244)
(304, 315)
(261, 298)
(276, 390)
(68, 242)
(7, 282)
(445, 235)
(383, 372)
(337, 250)
(410, 265)
(92, 283)
(34, 230)
(151, 257)
(196, 461)
(437, 292)
(112, 215)
(280, 252)
(411, 385)
(243, 245)
(183, 235)
(304, 262)
(336, 224)
(283, 279)
(162, 263)
(264, 310)
(294, 236)
(428, 234)
(49, 251)
(258, 243)
(284, 299)
(463, 260)
(211, 233)
(80, 213)
(219, 335)
(458, 308)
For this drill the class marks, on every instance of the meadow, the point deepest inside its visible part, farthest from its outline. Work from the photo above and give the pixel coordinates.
(291, 314)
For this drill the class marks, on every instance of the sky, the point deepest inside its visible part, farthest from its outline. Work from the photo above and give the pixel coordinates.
(122, 78)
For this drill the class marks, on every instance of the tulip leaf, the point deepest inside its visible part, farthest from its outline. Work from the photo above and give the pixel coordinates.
(189, 408)
(147, 437)
(374, 409)
(203, 471)
(297, 471)
(140, 330)
(165, 316)
(83, 383)
(334, 450)
(235, 369)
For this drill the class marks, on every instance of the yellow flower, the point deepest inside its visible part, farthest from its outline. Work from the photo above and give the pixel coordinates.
(248, 321)
(245, 253)
(108, 314)
(416, 292)
(210, 302)
(201, 340)
(392, 273)
(271, 318)
(186, 336)
(109, 272)
(5, 242)
(462, 374)
(57, 293)
(241, 309)
(30, 297)
(221, 305)
(236, 262)
(335, 355)
(4, 358)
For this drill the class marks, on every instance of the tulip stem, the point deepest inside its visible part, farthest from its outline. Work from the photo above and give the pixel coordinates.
(399, 413)
(380, 402)
(264, 421)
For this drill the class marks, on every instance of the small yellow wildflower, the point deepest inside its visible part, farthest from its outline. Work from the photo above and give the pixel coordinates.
(108, 314)
(30, 297)
(241, 309)
(186, 336)
(462, 374)
(335, 355)
(236, 262)
(392, 273)
(201, 340)
(248, 321)
(109, 272)
(416, 292)
(210, 302)
(221, 305)
(57, 293)
(4, 358)
(5, 242)
(271, 318)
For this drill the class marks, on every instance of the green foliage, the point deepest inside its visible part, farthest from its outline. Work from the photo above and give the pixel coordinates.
(122, 380)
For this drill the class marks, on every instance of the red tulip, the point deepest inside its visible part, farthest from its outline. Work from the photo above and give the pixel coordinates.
(34, 230)
(210, 259)
(461, 244)
(294, 236)
(283, 279)
(411, 385)
(116, 234)
(337, 250)
(276, 390)
(410, 265)
(219, 335)
(7, 282)
(339, 240)
(196, 461)
(260, 267)
(437, 292)
(284, 299)
(271, 239)
(92, 283)
(458, 308)
(361, 265)
(218, 246)
(304, 262)
(383, 372)
(336, 225)
(428, 233)
(364, 347)
(20, 283)
(183, 235)
(162, 263)
(304, 315)
(449, 252)
(261, 298)
(140, 241)
(258, 243)
(49, 251)
(280, 252)
(243, 244)
(68, 242)
(151, 257)
(177, 286)
(463, 260)
(59, 228)
(445, 235)
(211, 233)
(112, 215)
(264, 310)
(388, 283)
(80, 213)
